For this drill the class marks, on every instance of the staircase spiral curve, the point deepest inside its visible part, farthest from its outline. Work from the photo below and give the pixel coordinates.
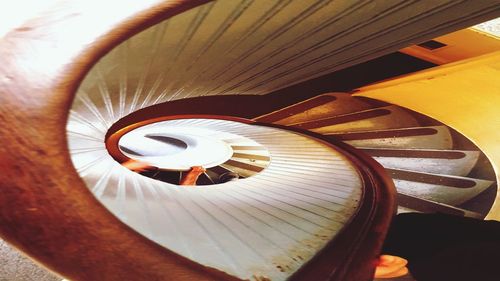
(311, 209)
(287, 182)
(264, 225)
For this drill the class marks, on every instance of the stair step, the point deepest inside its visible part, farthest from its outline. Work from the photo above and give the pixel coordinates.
(432, 137)
(318, 107)
(245, 148)
(251, 156)
(408, 203)
(243, 168)
(260, 161)
(444, 162)
(450, 190)
(382, 118)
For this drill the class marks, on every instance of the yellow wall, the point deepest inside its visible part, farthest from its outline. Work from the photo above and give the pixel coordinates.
(464, 95)
(462, 44)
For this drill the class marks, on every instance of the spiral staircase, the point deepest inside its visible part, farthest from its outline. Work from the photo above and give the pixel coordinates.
(306, 199)
(425, 162)
(292, 194)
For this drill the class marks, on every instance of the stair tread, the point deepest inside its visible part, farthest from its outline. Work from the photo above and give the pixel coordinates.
(428, 137)
(314, 108)
(413, 203)
(447, 189)
(446, 162)
(387, 117)
(426, 177)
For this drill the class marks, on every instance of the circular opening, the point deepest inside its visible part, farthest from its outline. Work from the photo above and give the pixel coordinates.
(175, 148)
(162, 146)
(171, 150)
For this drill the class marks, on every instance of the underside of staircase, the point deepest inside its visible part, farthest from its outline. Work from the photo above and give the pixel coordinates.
(301, 178)
(434, 168)
(430, 163)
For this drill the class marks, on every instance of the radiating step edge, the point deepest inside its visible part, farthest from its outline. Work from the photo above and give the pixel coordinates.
(316, 107)
(427, 206)
(381, 118)
(445, 162)
(447, 189)
(429, 137)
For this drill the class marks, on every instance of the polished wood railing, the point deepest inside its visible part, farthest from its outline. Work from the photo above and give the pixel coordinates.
(45, 208)
(351, 254)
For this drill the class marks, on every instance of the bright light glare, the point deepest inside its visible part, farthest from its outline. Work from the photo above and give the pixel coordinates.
(491, 27)
(15, 13)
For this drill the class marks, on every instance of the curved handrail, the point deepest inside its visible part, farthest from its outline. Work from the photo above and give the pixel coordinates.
(355, 249)
(46, 210)
(351, 255)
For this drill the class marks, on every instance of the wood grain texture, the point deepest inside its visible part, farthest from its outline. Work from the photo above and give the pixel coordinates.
(350, 254)
(47, 211)
(358, 245)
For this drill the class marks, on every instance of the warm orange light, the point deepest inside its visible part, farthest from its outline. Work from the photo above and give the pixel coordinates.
(390, 267)
(192, 176)
(137, 166)
(460, 45)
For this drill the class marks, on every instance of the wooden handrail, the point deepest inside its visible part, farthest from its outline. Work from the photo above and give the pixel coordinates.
(356, 248)
(45, 208)
(351, 255)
